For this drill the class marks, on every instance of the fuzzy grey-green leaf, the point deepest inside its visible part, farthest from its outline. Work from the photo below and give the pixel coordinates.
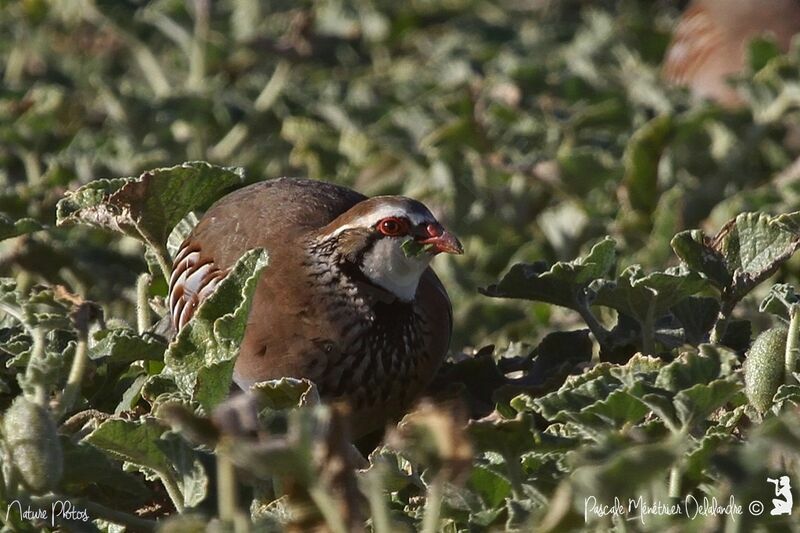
(558, 284)
(148, 445)
(638, 295)
(124, 345)
(746, 251)
(147, 207)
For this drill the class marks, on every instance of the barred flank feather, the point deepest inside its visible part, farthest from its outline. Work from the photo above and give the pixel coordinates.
(191, 282)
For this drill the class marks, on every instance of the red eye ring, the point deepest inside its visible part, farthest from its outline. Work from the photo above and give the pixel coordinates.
(392, 226)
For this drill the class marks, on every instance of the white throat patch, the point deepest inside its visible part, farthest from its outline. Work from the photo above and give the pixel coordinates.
(386, 265)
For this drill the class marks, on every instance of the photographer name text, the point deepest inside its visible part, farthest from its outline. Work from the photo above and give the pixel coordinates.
(691, 507)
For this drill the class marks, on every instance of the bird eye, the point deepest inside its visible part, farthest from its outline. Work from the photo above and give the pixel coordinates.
(391, 226)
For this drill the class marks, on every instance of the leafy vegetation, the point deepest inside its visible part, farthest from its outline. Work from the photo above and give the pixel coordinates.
(624, 247)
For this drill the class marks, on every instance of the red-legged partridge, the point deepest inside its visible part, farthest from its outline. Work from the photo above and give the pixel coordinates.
(342, 301)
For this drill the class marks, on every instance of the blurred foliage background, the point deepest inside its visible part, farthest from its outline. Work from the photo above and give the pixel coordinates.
(531, 128)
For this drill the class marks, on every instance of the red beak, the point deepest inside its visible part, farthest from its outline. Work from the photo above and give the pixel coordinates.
(442, 241)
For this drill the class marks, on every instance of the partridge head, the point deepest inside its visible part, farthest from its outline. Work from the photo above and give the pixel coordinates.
(348, 299)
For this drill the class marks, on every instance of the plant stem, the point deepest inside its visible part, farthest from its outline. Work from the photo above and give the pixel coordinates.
(327, 506)
(514, 475)
(373, 488)
(13, 311)
(144, 57)
(37, 352)
(675, 482)
(163, 260)
(273, 88)
(792, 343)
(600, 333)
(433, 505)
(76, 372)
(226, 488)
(224, 149)
(3, 484)
(33, 169)
(197, 55)
(719, 328)
(142, 303)
(648, 330)
(173, 490)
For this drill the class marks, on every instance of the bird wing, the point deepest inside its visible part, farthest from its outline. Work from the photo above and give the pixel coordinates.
(272, 214)
(437, 313)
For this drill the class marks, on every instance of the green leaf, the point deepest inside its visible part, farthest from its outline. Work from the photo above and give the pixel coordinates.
(576, 395)
(649, 296)
(509, 437)
(189, 471)
(132, 441)
(201, 358)
(638, 369)
(132, 394)
(37, 308)
(86, 466)
(787, 395)
(14, 228)
(556, 355)
(622, 472)
(150, 446)
(124, 345)
(559, 284)
(608, 395)
(619, 408)
(489, 485)
(780, 300)
(697, 315)
(147, 207)
(699, 254)
(691, 368)
(745, 252)
(158, 385)
(661, 404)
(699, 401)
(614, 407)
(698, 459)
(641, 158)
(412, 248)
(286, 393)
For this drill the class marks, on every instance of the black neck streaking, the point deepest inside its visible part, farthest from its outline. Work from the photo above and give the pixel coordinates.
(344, 253)
(382, 335)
